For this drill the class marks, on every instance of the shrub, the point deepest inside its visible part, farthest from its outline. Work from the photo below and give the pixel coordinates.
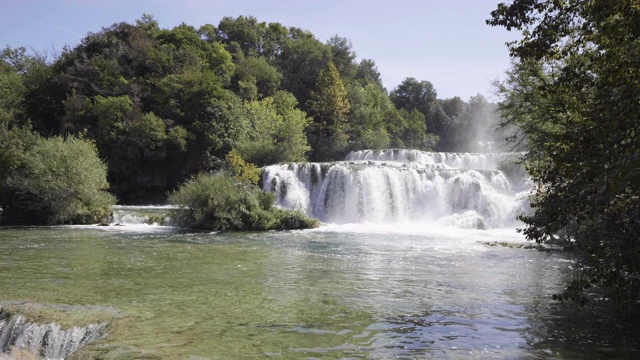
(219, 202)
(56, 181)
(243, 171)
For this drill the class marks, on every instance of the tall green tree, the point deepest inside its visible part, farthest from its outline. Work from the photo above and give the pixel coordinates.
(368, 117)
(573, 91)
(342, 56)
(300, 63)
(159, 94)
(367, 72)
(408, 131)
(274, 131)
(330, 107)
(421, 96)
(412, 94)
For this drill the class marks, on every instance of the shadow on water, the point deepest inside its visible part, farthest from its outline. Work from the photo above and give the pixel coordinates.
(595, 331)
(559, 331)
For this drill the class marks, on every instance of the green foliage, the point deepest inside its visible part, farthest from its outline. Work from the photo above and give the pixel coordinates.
(254, 38)
(55, 181)
(342, 56)
(573, 92)
(409, 131)
(370, 106)
(274, 131)
(14, 143)
(470, 127)
(244, 172)
(137, 146)
(11, 93)
(367, 72)
(218, 203)
(153, 99)
(300, 63)
(330, 108)
(412, 95)
(256, 78)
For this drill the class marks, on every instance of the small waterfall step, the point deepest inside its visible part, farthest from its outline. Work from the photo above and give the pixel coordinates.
(141, 214)
(47, 341)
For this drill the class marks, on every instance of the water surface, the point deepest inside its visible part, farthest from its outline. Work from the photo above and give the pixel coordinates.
(350, 291)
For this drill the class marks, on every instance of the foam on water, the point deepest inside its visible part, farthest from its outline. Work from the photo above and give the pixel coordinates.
(403, 186)
(140, 217)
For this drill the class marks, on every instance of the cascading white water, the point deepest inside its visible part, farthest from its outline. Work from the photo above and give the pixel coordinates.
(46, 340)
(141, 215)
(473, 161)
(399, 186)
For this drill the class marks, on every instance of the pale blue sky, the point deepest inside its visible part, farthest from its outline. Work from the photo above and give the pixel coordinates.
(443, 41)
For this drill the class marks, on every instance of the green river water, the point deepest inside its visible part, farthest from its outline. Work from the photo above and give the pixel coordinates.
(345, 292)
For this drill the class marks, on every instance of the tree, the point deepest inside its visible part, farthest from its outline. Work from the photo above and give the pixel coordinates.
(11, 93)
(481, 131)
(408, 131)
(274, 131)
(255, 78)
(573, 92)
(31, 94)
(343, 56)
(368, 117)
(455, 108)
(300, 63)
(412, 95)
(254, 38)
(55, 181)
(439, 123)
(367, 72)
(329, 106)
(474, 126)
(243, 171)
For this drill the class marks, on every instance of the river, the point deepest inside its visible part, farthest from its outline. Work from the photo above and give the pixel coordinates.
(415, 284)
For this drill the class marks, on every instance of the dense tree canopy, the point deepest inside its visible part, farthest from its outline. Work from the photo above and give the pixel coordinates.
(573, 92)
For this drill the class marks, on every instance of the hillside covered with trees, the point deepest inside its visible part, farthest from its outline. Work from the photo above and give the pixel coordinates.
(162, 105)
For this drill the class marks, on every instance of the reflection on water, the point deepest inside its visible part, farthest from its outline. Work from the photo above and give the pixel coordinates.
(335, 292)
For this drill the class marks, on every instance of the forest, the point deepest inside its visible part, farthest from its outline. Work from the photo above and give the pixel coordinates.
(159, 106)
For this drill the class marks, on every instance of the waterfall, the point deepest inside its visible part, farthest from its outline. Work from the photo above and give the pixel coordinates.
(397, 186)
(48, 341)
(141, 215)
(474, 161)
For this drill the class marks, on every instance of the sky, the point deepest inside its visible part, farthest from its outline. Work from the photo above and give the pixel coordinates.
(445, 42)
